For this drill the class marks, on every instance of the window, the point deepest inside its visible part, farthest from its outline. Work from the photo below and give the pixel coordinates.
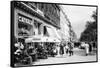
(37, 26)
(45, 31)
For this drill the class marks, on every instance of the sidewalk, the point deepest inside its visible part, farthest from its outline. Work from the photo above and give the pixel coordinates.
(79, 56)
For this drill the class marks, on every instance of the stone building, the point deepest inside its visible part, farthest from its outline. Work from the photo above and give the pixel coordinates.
(36, 19)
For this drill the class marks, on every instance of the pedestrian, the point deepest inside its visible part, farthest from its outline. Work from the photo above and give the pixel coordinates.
(90, 47)
(86, 48)
(61, 49)
(66, 49)
(54, 51)
(58, 50)
(70, 48)
(27, 59)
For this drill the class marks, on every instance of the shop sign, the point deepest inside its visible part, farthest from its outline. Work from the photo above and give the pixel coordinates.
(24, 19)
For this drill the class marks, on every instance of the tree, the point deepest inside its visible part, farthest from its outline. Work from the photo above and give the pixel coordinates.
(90, 33)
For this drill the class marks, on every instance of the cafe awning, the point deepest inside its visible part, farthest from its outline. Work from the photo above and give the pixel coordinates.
(37, 39)
(33, 39)
(52, 32)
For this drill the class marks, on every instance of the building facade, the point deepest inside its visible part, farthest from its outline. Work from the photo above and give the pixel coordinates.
(64, 27)
(66, 32)
(36, 19)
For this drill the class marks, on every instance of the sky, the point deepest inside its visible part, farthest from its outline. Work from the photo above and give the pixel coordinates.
(78, 15)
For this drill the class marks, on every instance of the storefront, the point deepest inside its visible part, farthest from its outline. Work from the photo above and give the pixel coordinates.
(23, 24)
(28, 22)
(27, 25)
(32, 27)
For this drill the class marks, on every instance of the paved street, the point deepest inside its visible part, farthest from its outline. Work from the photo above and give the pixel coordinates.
(79, 56)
